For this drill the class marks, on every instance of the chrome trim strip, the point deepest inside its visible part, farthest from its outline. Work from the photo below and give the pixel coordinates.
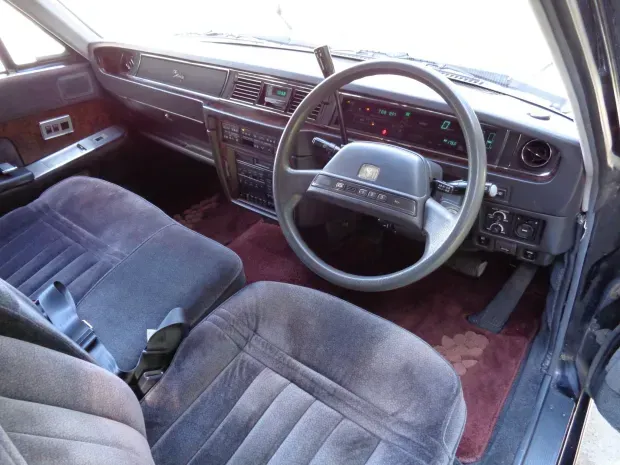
(76, 150)
(164, 110)
(184, 150)
(177, 60)
(226, 114)
(255, 208)
(134, 81)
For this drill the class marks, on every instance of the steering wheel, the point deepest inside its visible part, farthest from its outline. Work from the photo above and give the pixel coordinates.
(398, 180)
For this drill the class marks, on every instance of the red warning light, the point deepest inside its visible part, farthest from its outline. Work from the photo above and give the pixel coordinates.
(384, 132)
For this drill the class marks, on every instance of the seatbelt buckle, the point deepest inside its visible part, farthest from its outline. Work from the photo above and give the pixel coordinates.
(83, 335)
(157, 355)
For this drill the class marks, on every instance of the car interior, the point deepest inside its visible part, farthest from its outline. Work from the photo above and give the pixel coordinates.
(231, 253)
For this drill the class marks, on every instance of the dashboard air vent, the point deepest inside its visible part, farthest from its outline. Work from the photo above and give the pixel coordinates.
(536, 153)
(246, 89)
(298, 96)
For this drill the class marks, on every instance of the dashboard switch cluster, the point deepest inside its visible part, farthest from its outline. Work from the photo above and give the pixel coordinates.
(498, 221)
(502, 222)
(255, 185)
(397, 202)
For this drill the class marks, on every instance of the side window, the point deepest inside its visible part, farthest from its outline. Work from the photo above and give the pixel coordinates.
(24, 43)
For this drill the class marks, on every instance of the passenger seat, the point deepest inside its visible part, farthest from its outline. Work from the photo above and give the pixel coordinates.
(125, 262)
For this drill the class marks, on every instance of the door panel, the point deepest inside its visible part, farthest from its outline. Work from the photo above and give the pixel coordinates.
(29, 97)
(88, 117)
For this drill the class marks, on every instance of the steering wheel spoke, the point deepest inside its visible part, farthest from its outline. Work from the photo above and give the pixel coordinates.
(297, 183)
(438, 224)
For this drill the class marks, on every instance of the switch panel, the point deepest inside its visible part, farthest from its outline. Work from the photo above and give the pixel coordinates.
(503, 222)
(56, 127)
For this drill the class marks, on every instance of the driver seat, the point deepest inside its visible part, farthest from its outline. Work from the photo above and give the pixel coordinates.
(278, 375)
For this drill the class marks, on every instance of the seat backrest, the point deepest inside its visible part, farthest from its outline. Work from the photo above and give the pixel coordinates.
(20, 319)
(58, 409)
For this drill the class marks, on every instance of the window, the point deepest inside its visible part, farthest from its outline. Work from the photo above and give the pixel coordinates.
(25, 42)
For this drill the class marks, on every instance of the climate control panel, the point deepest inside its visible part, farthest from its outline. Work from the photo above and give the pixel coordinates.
(502, 222)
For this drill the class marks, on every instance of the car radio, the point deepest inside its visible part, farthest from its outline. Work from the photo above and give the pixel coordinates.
(235, 134)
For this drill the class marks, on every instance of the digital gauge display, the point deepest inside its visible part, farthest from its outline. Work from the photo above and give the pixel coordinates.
(421, 128)
(277, 96)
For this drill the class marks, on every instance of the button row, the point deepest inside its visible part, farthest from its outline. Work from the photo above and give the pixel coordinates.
(361, 191)
(407, 205)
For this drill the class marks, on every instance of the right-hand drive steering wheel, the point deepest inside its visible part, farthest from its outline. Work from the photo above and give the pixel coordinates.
(381, 180)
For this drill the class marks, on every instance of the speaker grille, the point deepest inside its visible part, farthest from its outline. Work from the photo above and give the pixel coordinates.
(75, 86)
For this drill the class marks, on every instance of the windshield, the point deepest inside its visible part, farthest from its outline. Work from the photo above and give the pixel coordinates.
(490, 35)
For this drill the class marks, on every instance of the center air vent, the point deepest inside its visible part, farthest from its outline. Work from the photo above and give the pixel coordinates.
(246, 89)
(298, 96)
(536, 153)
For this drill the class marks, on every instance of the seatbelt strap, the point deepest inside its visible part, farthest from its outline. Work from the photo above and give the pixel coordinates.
(160, 348)
(57, 305)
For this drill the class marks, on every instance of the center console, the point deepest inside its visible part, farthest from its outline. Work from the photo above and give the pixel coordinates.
(253, 154)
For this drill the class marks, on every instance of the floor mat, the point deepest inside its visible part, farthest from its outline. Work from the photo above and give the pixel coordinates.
(218, 220)
(434, 309)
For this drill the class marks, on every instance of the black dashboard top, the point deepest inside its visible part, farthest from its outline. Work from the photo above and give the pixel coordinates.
(301, 66)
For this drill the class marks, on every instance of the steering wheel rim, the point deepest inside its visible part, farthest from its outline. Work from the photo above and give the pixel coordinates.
(445, 232)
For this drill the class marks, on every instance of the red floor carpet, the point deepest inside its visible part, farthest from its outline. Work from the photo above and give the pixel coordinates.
(434, 309)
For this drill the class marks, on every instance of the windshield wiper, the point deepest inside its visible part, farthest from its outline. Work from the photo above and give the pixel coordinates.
(501, 83)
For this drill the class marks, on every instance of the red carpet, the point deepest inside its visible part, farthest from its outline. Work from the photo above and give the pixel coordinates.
(434, 309)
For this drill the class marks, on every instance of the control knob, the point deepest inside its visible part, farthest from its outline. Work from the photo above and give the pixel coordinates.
(500, 216)
(496, 228)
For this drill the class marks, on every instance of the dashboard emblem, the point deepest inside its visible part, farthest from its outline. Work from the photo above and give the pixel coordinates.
(177, 75)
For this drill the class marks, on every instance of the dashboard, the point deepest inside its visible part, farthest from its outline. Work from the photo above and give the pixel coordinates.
(227, 106)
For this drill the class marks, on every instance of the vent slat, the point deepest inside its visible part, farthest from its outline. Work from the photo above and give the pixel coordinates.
(298, 96)
(246, 89)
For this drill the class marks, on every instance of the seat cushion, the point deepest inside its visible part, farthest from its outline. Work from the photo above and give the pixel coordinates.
(281, 374)
(125, 261)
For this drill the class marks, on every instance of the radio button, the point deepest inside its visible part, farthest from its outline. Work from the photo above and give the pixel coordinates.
(339, 185)
(382, 198)
(362, 192)
(372, 195)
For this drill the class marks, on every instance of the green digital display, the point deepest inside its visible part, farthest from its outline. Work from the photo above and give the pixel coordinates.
(490, 140)
(281, 92)
(450, 142)
(389, 113)
(446, 125)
